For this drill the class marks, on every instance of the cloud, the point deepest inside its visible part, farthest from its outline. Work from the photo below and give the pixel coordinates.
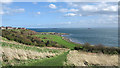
(51, 0)
(68, 10)
(73, 10)
(72, 4)
(35, 3)
(52, 6)
(1, 12)
(111, 8)
(6, 1)
(70, 14)
(101, 7)
(38, 13)
(69, 22)
(18, 10)
(7, 10)
(96, 8)
(63, 10)
(80, 14)
(89, 8)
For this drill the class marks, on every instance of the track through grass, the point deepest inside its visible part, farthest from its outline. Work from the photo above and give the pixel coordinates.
(54, 61)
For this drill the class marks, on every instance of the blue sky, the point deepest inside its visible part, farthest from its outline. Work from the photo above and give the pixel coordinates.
(60, 14)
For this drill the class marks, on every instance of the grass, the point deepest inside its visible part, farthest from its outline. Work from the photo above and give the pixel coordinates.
(54, 61)
(57, 39)
(25, 47)
(4, 38)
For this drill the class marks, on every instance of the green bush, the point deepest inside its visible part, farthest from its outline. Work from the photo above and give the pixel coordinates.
(98, 49)
(25, 37)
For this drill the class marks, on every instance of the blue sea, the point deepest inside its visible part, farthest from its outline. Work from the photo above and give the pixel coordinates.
(94, 36)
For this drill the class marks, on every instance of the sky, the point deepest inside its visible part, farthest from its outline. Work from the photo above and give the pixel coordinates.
(60, 14)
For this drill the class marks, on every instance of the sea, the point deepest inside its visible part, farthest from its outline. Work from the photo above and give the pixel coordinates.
(94, 36)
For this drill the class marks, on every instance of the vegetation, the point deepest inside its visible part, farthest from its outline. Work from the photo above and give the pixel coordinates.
(55, 61)
(98, 49)
(29, 37)
(33, 48)
(58, 39)
(27, 48)
(25, 37)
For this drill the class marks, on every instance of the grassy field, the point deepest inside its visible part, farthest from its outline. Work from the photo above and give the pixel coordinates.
(57, 39)
(54, 61)
(33, 48)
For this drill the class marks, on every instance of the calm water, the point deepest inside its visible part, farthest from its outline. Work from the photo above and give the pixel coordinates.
(106, 36)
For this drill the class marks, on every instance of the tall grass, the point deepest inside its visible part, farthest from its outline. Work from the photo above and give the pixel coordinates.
(25, 47)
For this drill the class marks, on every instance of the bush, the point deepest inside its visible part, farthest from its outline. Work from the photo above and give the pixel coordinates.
(98, 49)
(25, 37)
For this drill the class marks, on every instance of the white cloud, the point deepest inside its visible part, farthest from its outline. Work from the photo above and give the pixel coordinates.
(6, 1)
(70, 14)
(52, 6)
(100, 7)
(68, 10)
(80, 14)
(72, 4)
(111, 8)
(63, 10)
(7, 10)
(35, 3)
(89, 8)
(73, 10)
(1, 12)
(51, 0)
(18, 10)
(69, 22)
(38, 13)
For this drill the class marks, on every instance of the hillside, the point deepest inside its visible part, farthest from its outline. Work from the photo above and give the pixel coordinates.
(21, 47)
(51, 39)
(29, 37)
(15, 54)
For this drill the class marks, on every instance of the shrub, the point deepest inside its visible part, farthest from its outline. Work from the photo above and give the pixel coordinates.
(98, 49)
(25, 37)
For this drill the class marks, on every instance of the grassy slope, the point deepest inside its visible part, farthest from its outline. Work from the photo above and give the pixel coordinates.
(57, 39)
(33, 48)
(55, 61)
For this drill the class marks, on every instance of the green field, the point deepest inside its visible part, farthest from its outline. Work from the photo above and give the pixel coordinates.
(57, 39)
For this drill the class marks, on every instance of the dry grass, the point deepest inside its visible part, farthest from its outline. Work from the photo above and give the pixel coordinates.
(0, 54)
(13, 54)
(20, 54)
(85, 59)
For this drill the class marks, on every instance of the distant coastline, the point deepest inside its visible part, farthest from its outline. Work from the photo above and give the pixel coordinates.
(105, 36)
(70, 40)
